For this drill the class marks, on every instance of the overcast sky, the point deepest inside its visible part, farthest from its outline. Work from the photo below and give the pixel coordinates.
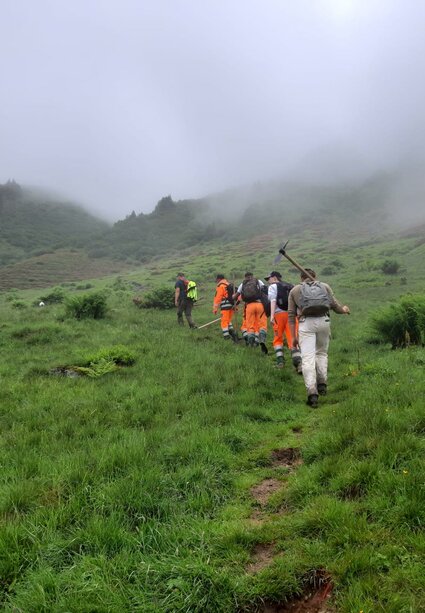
(116, 103)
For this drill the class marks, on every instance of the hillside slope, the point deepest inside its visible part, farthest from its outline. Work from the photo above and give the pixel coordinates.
(197, 479)
(31, 223)
(342, 212)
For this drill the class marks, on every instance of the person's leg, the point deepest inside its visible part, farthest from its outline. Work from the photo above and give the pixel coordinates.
(322, 345)
(233, 333)
(307, 341)
(295, 353)
(226, 317)
(262, 326)
(244, 329)
(278, 328)
(250, 322)
(180, 310)
(188, 312)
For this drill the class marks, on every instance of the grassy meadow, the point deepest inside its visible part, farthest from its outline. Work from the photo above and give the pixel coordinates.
(197, 480)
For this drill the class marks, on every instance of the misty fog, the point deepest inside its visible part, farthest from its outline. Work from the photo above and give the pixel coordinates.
(116, 104)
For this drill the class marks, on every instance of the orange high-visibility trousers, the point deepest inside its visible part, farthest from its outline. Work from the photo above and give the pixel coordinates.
(244, 324)
(281, 327)
(226, 318)
(256, 318)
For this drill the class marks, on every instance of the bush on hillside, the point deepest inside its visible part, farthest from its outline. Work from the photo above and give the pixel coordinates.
(56, 296)
(87, 306)
(119, 354)
(402, 324)
(161, 298)
(390, 267)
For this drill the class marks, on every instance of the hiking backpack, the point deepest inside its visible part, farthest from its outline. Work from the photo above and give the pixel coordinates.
(251, 290)
(283, 290)
(265, 300)
(314, 299)
(192, 291)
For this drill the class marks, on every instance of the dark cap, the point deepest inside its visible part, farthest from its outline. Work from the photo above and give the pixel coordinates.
(273, 273)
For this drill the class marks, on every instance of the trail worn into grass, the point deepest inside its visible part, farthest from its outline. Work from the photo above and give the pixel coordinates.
(177, 485)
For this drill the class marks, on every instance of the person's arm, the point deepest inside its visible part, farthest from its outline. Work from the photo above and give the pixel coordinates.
(218, 297)
(177, 296)
(292, 314)
(272, 295)
(335, 305)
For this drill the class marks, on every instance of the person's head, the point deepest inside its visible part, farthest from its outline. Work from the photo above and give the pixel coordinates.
(310, 272)
(248, 275)
(219, 278)
(181, 275)
(273, 277)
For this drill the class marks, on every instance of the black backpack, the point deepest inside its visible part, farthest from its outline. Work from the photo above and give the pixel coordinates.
(251, 290)
(265, 300)
(283, 290)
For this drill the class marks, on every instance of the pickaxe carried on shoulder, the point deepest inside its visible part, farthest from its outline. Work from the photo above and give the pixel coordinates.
(282, 253)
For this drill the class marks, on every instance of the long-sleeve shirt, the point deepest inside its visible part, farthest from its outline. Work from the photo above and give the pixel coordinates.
(294, 307)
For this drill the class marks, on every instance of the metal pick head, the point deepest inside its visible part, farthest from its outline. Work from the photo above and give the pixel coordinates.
(281, 253)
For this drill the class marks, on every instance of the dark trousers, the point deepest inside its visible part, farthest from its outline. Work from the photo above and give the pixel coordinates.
(185, 306)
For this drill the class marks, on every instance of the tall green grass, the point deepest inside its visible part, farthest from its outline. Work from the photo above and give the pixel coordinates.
(131, 492)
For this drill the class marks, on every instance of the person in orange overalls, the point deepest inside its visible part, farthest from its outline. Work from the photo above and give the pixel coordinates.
(278, 296)
(223, 299)
(255, 314)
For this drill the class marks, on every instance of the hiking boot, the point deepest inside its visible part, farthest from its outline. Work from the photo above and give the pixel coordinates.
(193, 327)
(313, 401)
(296, 361)
(300, 369)
(246, 339)
(264, 348)
(322, 388)
(280, 361)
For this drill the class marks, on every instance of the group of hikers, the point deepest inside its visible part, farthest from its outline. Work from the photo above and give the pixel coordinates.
(299, 315)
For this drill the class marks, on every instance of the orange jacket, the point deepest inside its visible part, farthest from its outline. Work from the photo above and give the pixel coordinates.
(220, 298)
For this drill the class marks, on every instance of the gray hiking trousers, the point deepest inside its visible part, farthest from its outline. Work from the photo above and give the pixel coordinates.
(185, 306)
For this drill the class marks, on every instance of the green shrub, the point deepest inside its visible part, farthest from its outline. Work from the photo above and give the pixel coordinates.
(402, 324)
(19, 304)
(390, 267)
(161, 298)
(88, 305)
(56, 296)
(119, 354)
(97, 369)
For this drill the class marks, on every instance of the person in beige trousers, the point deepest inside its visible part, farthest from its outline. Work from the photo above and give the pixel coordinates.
(311, 302)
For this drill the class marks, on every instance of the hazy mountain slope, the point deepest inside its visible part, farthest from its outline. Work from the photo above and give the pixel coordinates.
(240, 214)
(245, 220)
(31, 224)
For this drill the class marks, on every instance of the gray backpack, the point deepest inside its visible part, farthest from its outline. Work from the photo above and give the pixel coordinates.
(314, 299)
